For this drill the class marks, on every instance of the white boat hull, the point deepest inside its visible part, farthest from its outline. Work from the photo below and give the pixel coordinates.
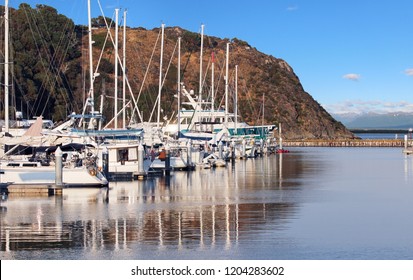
(175, 163)
(73, 177)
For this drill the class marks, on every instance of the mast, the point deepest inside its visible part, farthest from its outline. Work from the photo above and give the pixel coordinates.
(91, 96)
(160, 77)
(116, 66)
(6, 65)
(263, 113)
(102, 100)
(212, 84)
(200, 67)
(179, 85)
(124, 71)
(226, 86)
(236, 98)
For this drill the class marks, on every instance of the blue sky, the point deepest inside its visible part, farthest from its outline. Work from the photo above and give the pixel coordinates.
(351, 56)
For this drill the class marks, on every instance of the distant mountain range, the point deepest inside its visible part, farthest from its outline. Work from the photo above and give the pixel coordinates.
(396, 120)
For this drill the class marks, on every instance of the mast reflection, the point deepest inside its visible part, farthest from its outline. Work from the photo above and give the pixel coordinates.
(201, 209)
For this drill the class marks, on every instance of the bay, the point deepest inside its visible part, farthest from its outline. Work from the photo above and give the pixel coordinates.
(309, 204)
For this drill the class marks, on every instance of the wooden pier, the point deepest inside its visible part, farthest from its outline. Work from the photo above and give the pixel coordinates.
(406, 144)
(33, 189)
(399, 143)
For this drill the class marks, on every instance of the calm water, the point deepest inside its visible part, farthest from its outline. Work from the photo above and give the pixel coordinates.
(313, 203)
(381, 135)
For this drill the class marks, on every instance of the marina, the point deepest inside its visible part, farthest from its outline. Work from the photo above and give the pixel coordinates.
(310, 203)
(172, 173)
(201, 135)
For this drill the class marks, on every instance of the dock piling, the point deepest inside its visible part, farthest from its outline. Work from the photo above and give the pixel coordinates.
(244, 148)
(167, 160)
(58, 168)
(141, 155)
(220, 150)
(105, 162)
(189, 152)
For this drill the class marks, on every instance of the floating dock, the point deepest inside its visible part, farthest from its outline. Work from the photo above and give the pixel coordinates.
(33, 189)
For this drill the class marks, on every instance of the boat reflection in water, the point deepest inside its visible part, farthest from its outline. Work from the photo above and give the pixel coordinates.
(183, 215)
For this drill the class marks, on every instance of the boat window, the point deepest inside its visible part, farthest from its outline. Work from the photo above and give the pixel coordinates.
(13, 164)
(29, 164)
(133, 154)
(48, 124)
(122, 154)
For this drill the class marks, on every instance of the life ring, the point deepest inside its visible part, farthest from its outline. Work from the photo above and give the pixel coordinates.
(92, 172)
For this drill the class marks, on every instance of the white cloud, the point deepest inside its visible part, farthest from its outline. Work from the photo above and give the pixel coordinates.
(292, 8)
(409, 72)
(352, 76)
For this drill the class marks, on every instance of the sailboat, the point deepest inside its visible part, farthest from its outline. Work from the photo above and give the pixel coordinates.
(28, 165)
(180, 153)
(30, 161)
(201, 121)
(122, 144)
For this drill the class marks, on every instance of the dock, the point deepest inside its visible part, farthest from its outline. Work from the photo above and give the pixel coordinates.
(398, 143)
(33, 189)
(406, 144)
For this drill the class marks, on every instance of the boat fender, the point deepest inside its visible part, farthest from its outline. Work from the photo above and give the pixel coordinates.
(92, 172)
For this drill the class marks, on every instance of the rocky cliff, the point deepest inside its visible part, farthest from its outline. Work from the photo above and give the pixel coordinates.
(263, 80)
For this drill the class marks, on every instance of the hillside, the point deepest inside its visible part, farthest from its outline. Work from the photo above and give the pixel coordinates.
(261, 78)
(60, 87)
